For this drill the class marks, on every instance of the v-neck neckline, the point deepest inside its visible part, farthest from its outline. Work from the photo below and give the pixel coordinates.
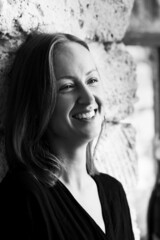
(83, 209)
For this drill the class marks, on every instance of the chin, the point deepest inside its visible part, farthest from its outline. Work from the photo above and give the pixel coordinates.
(91, 135)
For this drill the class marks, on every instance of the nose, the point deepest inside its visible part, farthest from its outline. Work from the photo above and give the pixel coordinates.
(86, 96)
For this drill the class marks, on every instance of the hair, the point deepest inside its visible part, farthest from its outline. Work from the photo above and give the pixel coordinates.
(30, 104)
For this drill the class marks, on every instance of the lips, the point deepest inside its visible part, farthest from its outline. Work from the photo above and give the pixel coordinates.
(85, 115)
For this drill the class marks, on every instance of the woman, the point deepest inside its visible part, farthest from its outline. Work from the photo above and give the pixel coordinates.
(54, 112)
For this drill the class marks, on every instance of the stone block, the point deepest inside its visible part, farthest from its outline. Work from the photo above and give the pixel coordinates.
(118, 74)
(105, 20)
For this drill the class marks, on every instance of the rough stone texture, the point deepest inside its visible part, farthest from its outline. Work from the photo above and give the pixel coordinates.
(115, 154)
(91, 20)
(103, 19)
(115, 151)
(102, 23)
(117, 70)
(120, 158)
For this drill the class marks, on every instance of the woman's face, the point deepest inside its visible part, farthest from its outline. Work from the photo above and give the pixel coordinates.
(78, 112)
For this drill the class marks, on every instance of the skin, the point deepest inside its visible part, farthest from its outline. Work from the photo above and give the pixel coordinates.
(79, 91)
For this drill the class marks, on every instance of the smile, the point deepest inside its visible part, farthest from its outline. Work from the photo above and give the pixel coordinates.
(85, 116)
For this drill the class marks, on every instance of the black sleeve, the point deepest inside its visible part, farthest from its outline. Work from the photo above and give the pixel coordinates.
(23, 212)
(125, 219)
(118, 208)
(21, 218)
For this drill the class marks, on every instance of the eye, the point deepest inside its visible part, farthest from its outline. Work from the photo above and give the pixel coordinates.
(66, 87)
(93, 81)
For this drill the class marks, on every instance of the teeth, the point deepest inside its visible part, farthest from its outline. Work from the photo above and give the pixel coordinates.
(87, 115)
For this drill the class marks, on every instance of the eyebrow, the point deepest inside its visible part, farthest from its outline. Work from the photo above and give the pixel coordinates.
(93, 70)
(72, 77)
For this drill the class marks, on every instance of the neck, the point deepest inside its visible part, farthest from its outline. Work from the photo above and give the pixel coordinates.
(74, 166)
(74, 173)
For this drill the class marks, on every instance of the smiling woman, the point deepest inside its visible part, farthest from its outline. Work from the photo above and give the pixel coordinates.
(78, 112)
(54, 111)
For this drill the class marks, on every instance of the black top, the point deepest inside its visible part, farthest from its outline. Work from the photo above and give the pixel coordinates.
(153, 215)
(30, 211)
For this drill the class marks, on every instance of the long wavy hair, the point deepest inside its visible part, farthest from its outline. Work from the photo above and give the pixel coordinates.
(31, 102)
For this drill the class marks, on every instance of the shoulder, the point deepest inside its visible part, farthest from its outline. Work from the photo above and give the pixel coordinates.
(118, 209)
(112, 187)
(21, 193)
(23, 203)
(18, 180)
(20, 186)
(108, 181)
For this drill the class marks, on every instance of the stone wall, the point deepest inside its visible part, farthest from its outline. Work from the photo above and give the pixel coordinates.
(102, 23)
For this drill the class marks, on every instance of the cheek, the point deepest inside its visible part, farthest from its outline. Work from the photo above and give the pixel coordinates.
(99, 93)
(59, 116)
(63, 106)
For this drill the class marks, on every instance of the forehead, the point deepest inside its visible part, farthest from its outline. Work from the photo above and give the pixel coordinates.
(72, 59)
